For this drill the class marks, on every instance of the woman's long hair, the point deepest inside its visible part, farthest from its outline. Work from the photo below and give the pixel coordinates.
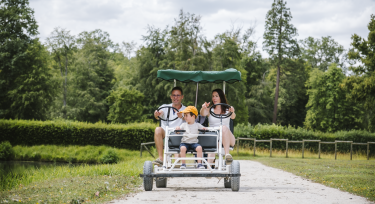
(223, 99)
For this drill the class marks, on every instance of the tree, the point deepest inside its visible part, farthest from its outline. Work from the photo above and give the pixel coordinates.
(126, 105)
(279, 41)
(128, 48)
(328, 108)
(62, 46)
(320, 53)
(92, 77)
(361, 86)
(36, 90)
(25, 86)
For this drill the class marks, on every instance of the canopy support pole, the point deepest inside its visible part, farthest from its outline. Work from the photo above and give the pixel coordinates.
(224, 87)
(196, 96)
(174, 82)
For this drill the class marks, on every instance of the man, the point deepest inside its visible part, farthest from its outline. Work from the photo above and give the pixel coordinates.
(176, 97)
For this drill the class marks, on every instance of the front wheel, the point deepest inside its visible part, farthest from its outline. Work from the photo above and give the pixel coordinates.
(148, 182)
(235, 181)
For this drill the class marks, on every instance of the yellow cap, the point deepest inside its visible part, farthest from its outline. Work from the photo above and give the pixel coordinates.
(191, 109)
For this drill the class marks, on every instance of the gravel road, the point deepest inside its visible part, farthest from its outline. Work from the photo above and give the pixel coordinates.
(259, 184)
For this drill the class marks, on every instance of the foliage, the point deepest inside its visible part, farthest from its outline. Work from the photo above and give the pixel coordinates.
(6, 151)
(69, 154)
(126, 105)
(21, 132)
(92, 78)
(35, 90)
(266, 132)
(320, 53)
(328, 108)
(109, 157)
(62, 46)
(279, 41)
(21, 59)
(360, 87)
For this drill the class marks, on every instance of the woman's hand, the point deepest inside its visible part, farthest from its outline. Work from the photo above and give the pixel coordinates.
(233, 116)
(231, 109)
(204, 110)
(205, 105)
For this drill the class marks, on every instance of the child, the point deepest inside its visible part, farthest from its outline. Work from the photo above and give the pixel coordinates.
(190, 137)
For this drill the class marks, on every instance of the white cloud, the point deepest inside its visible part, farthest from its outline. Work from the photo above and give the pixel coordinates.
(127, 20)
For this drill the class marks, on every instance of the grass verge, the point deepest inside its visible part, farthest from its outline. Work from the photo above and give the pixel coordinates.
(69, 154)
(74, 183)
(356, 176)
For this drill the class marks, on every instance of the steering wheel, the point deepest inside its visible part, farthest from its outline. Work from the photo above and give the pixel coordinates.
(220, 115)
(169, 109)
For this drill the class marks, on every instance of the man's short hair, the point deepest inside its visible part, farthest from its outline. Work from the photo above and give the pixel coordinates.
(177, 88)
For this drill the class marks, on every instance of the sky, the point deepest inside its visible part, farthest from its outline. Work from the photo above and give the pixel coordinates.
(128, 20)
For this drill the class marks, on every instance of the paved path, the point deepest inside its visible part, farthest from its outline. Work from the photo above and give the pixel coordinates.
(259, 184)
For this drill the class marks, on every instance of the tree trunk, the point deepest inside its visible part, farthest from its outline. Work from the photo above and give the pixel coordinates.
(65, 85)
(276, 95)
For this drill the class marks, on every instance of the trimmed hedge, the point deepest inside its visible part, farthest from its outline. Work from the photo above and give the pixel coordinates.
(266, 132)
(130, 136)
(29, 133)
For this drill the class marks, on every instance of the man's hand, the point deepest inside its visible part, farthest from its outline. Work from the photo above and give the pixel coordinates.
(157, 114)
(204, 128)
(179, 114)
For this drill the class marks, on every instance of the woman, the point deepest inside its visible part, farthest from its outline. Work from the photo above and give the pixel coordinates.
(218, 96)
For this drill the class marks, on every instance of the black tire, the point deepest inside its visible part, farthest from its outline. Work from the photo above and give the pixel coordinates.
(227, 183)
(161, 182)
(235, 181)
(148, 182)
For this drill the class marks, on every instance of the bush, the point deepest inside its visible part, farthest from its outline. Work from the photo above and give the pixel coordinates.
(6, 151)
(109, 157)
(266, 132)
(30, 133)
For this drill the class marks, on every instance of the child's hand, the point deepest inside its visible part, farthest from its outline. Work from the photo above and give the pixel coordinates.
(177, 128)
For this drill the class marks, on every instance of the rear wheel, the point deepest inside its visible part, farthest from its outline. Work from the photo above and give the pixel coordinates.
(227, 183)
(147, 181)
(161, 182)
(235, 181)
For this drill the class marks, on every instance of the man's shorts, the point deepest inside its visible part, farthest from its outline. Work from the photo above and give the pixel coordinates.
(191, 146)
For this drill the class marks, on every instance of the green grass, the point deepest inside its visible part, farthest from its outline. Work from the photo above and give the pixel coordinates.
(356, 176)
(73, 183)
(70, 154)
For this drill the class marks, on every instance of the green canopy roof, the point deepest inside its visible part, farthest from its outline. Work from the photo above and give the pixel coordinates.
(230, 76)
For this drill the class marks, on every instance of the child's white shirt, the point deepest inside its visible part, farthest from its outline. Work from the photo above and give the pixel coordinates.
(191, 134)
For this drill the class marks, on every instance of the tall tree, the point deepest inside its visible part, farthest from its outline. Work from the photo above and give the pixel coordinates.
(35, 92)
(62, 46)
(328, 109)
(320, 53)
(23, 63)
(279, 41)
(93, 78)
(361, 86)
